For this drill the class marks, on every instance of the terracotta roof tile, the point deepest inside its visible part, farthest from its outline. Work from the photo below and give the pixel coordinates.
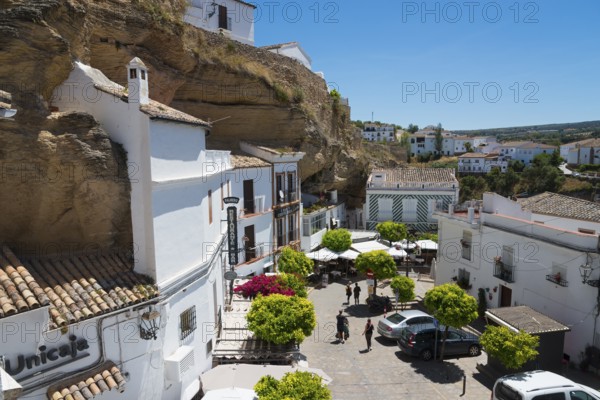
(154, 109)
(428, 175)
(562, 206)
(87, 385)
(75, 288)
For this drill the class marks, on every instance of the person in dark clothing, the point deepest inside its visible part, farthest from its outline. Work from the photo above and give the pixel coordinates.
(340, 323)
(356, 294)
(368, 332)
(348, 293)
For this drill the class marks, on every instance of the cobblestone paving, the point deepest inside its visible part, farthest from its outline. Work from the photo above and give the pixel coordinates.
(384, 372)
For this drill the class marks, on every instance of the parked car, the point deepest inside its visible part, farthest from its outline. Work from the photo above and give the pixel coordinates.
(541, 385)
(419, 341)
(391, 326)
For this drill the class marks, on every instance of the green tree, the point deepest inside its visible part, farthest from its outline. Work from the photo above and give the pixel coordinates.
(502, 183)
(428, 236)
(379, 262)
(294, 262)
(452, 306)
(556, 159)
(281, 319)
(542, 176)
(468, 147)
(295, 282)
(439, 139)
(512, 349)
(472, 188)
(297, 385)
(412, 128)
(405, 288)
(392, 231)
(337, 240)
(517, 165)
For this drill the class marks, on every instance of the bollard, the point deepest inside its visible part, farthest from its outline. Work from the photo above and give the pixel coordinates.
(464, 385)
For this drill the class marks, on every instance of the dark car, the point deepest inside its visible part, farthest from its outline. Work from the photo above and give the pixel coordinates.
(419, 341)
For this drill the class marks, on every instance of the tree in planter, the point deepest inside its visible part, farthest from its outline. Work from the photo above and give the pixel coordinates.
(392, 231)
(405, 288)
(297, 385)
(281, 319)
(451, 306)
(379, 262)
(294, 262)
(337, 240)
(482, 303)
(512, 349)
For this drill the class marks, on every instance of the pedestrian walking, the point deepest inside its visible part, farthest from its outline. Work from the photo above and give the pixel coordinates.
(348, 293)
(356, 294)
(368, 332)
(340, 325)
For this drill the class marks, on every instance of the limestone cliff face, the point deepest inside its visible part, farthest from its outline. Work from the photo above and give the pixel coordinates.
(250, 93)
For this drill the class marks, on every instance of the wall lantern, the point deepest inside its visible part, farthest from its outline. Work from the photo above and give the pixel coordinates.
(585, 271)
(149, 325)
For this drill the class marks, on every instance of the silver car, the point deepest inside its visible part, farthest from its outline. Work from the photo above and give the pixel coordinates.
(391, 326)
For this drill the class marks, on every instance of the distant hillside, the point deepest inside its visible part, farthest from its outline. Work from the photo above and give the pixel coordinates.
(526, 131)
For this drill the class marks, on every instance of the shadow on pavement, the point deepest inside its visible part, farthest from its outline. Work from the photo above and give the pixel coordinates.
(360, 310)
(386, 342)
(434, 371)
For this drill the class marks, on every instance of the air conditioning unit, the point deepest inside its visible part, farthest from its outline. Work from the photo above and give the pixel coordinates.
(179, 363)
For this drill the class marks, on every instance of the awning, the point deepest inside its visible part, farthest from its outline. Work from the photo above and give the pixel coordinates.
(427, 244)
(349, 254)
(323, 255)
(230, 394)
(405, 244)
(365, 247)
(397, 252)
(245, 376)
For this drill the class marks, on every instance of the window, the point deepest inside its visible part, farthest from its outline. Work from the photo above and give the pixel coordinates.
(291, 186)
(187, 322)
(228, 188)
(223, 17)
(508, 256)
(550, 396)
(385, 210)
(409, 210)
(306, 226)
(210, 206)
(143, 75)
(279, 182)
(132, 73)
(222, 205)
(466, 245)
(292, 228)
(579, 395)
(317, 224)
(280, 232)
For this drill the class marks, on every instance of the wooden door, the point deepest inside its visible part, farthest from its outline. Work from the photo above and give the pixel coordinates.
(222, 17)
(505, 296)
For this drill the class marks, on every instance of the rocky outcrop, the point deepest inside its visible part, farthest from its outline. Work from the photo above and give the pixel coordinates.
(249, 93)
(64, 186)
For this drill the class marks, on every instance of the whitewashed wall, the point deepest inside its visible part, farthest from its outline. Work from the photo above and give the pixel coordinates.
(242, 18)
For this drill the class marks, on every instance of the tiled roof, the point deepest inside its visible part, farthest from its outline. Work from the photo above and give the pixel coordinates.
(593, 142)
(154, 109)
(75, 288)
(532, 145)
(473, 155)
(419, 175)
(89, 384)
(527, 319)
(562, 206)
(244, 161)
(513, 144)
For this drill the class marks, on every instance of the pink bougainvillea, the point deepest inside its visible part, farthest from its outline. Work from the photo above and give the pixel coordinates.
(265, 285)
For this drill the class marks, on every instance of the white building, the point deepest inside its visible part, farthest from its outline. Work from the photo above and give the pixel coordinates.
(5, 105)
(316, 223)
(423, 142)
(524, 151)
(409, 195)
(379, 133)
(232, 18)
(178, 232)
(292, 50)
(285, 191)
(529, 253)
(477, 163)
(581, 152)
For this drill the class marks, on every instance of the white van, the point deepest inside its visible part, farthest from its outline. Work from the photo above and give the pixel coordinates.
(541, 385)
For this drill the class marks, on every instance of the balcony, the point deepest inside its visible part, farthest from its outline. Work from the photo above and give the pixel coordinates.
(288, 197)
(249, 206)
(556, 278)
(504, 271)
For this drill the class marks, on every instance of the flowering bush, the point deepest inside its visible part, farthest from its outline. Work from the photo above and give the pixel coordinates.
(265, 285)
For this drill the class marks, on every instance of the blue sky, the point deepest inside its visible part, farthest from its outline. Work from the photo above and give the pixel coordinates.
(465, 64)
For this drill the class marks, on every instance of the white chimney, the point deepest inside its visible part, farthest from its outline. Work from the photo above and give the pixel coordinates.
(137, 82)
(333, 198)
(471, 214)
